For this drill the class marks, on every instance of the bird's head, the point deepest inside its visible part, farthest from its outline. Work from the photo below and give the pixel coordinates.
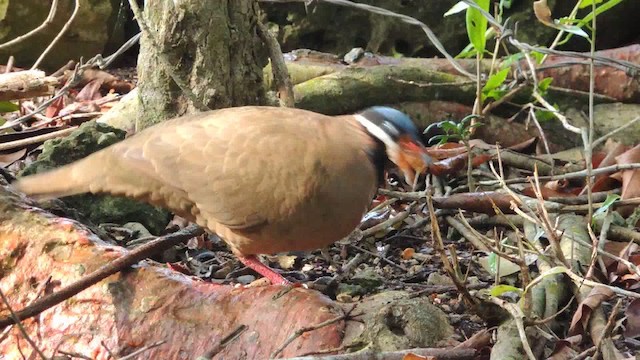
(400, 137)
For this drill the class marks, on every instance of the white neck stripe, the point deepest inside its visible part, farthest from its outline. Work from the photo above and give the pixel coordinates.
(380, 134)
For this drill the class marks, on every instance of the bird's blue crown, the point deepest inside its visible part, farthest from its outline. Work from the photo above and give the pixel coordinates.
(392, 121)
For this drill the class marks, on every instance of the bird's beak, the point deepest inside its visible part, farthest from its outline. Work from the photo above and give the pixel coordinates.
(415, 159)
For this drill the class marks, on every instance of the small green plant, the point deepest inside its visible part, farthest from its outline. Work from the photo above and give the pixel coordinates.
(460, 131)
(453, 131)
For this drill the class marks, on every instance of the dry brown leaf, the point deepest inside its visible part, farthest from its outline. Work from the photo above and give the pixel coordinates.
(582, 315)
(89, 92)
(630, 178)
(477, 341)
(10, 158)
(55, 107)
(542, 12)
(632, 327)
(604, 182)
(563, 349)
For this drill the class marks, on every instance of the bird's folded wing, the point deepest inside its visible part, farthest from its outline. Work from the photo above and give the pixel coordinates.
(238, 171)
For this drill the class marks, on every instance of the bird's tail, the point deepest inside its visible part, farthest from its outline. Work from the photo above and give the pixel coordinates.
(75, 178)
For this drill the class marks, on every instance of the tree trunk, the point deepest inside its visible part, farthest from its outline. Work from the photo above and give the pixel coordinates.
(213, 50)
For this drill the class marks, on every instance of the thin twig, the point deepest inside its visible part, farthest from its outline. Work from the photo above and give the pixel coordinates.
(607, 328)
(278, 67)
(306, 329)
(130, 258)
(383, 258)
(17, 322)
(55, 40)
(45, 23)
(74, 79)
(518, 318)
(39, 291)
(570, 175)
(439, 246)
(134, 354)
(36, 139)
(104, 345)
(225, 341)
(604, 137)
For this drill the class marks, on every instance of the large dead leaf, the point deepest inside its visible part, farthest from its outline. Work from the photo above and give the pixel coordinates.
(9, 158)
(582, 315)
(632, 327)
(564, 349)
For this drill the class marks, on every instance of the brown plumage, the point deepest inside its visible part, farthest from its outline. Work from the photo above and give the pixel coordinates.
(264, 179)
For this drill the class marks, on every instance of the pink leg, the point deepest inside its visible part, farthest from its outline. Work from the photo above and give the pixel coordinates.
(252, 262)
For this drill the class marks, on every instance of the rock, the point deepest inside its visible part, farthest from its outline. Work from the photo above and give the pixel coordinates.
(245, 279)
(97, 209)
(436, 278)
(353, 55)
(609, 117)
(145, 303)
(393, 321)
(368, 279)
(349, 291)
(123, 114)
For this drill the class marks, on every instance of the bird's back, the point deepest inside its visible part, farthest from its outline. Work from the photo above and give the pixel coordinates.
(266, 179)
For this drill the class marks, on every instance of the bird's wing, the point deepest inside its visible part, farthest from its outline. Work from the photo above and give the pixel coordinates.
(240, 167)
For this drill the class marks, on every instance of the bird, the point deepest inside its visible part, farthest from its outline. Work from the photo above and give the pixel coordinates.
(264, 179)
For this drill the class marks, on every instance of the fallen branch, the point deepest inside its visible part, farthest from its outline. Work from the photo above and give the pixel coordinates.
(438, 353)
(26, 84)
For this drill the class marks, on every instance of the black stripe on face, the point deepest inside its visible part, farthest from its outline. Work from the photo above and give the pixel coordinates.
(382, 122)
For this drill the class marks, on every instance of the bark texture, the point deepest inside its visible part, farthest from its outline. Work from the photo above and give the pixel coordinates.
(140, 307)
(212, 46)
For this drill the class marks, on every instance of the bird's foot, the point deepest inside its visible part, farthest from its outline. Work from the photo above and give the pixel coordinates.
(252, 262)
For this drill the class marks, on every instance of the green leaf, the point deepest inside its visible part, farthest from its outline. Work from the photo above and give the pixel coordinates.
(431, 127)
(470, 117)
(8, 106)
(496, 79)
(448, 126)
(538, 56)
(498, 290)
(506, 4)
(2, 121)
(544, 84)
(468, 52)
(544, 115)
(495, 94)
(507, 61)
(492, 260)
(573, 29)
(439, 139)
(611, 198)
(599, 10)
(477, 26)
(460, 6)
(585, 3)
(587, 19)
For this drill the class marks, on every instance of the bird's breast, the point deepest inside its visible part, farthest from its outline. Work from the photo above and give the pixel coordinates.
(333, 200)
